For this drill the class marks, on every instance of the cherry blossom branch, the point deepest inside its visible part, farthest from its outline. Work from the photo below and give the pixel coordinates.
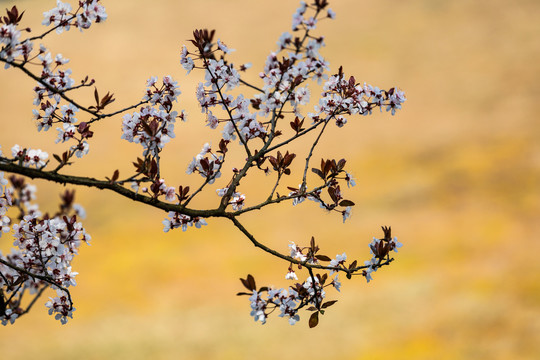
(47, 279)
(206, 182)
(61, 93)
(285, 91)
(290, 259)
(296, 136)
(102, 184)
(277, 200)
(62, 24)
(102, 116)
(231, 118)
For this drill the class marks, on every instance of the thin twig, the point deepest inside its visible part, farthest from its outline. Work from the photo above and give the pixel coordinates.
(251, 86)
(38, 295)
(47, 279)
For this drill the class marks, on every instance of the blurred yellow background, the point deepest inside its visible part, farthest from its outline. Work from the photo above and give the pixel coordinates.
(456, 174)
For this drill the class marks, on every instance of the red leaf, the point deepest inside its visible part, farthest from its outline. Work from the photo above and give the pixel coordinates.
(274, 162)
(314, 319)
(251, 282)
(328, 304)
(318, 172)
(323, 258)
(332, 193)
(346, 203)
(96, 96)
(341, 164)
(287, 160)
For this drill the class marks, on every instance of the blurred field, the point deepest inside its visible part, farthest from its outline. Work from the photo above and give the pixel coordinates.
(456, 174)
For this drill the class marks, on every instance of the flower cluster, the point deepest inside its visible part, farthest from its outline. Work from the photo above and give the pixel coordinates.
(311, 293)
(302, 61)
(61, 306)
(11, 45)
(54, 79)
(9, 36)
(379, 249)
(282, 79)
(237, 200)
(44, 247)
(50, 111)
(218, 74)
(341, 95)
(164, 95)
(6, 200)
(207, 164)
(151, 127)
(221, 77)
(330, 172)
(30, 157)
(177, 220)
(62, 17)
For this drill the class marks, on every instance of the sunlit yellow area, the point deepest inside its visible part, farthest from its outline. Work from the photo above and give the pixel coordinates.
(456, 174)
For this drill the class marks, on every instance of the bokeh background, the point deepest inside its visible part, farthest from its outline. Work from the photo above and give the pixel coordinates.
(456, 174)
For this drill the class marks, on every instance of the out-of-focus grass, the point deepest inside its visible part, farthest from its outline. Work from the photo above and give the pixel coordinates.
(456, 174)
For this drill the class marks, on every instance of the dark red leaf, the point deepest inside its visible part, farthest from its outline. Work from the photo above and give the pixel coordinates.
(341, 164)
(251, 281)
(323, 278)
(346, 203)
(332, 193)
(287, 160)
(328, 304)
(314, 319)
(274, 162)
(146, 128)
(318, 172)
(323, 258)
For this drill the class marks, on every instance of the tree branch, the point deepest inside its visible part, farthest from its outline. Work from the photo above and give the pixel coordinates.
(102, 184)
